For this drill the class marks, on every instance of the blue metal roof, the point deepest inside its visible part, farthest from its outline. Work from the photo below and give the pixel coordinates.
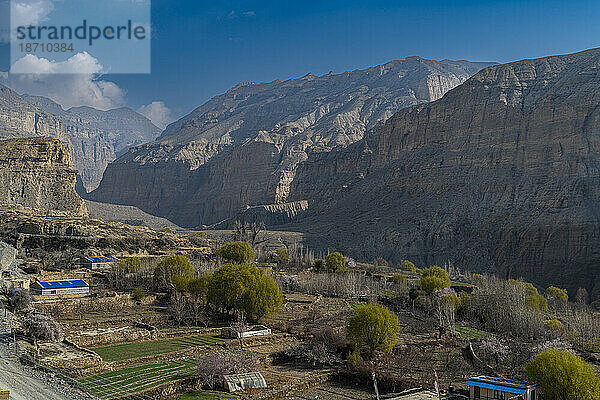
(101, 259)
(63, 284)
(501, 384)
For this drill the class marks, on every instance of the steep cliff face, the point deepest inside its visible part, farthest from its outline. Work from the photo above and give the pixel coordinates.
(243, 148)
(95, 138)
(501, 174)
(38, 173)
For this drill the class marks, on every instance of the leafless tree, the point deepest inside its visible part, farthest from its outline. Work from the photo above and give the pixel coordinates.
(41, 327)
(240, 326)
(249, 232)
(582, 296)
(178, 307)
(213, 365)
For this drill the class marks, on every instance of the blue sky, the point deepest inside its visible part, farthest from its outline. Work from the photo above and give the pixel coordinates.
(201, 48)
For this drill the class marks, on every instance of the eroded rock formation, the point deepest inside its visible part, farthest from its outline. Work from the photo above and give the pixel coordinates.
(95, 138)
(242, 149)
(38, 173)
(501, 174)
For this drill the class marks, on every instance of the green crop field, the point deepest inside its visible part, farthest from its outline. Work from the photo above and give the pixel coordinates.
(141, 349)
(126, 381)
(470, 333)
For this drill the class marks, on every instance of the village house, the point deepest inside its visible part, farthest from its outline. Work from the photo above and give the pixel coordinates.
(57, 288)
(97, 263)
(491, 388)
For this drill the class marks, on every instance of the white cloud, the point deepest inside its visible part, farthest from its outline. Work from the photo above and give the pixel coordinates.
(71, 83)
(158, 113)
(30, 12)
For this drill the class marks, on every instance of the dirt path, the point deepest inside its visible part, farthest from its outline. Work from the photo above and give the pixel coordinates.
(23, 382)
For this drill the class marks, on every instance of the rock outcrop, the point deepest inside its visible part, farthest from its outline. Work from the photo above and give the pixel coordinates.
(243, 148)
(501, 174)
(38, 173)
(95, 138)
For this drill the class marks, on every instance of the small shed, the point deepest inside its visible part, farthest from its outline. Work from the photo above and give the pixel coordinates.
(489, 387)
(258, 330)
(97, 263)
(55, 288)
(250, 380)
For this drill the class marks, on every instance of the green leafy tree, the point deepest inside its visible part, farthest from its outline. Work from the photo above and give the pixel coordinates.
(557, 293)
(434, 278)
(172, 271)
(264, 296)
(198, 290)
(408, 266)
(555, 326)
(536, 302)
(561, 375)
(335, 263)
(374, 328)
(244, 288)
(237, 252)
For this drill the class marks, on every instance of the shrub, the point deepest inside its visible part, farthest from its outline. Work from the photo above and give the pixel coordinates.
(559, 294)
(373, 327)
(555, 326)
(335, 263)
(138, 294)
(434, 278)
(557, 298)
(408, 266)
(563, 375)
(282, 256)
(167, 230)
(237, 252)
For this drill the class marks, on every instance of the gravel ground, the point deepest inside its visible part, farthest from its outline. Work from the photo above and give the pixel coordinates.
(27, 383)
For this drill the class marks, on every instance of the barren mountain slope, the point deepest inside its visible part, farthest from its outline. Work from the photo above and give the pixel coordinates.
(243, 148)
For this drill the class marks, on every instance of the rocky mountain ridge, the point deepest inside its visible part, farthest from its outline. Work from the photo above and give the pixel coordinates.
(95, 138)
(501, 174)
(242, 149)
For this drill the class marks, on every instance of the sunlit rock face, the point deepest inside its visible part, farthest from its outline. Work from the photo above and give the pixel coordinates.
(241, 150)
(501, 174)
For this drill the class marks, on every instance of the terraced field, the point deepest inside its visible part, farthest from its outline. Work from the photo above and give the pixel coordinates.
(207, 396)
(111, 385)
(141, 349)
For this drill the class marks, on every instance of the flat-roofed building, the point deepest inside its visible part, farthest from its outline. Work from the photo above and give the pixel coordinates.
(492, 388)
(56, 288)
(96, 263)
